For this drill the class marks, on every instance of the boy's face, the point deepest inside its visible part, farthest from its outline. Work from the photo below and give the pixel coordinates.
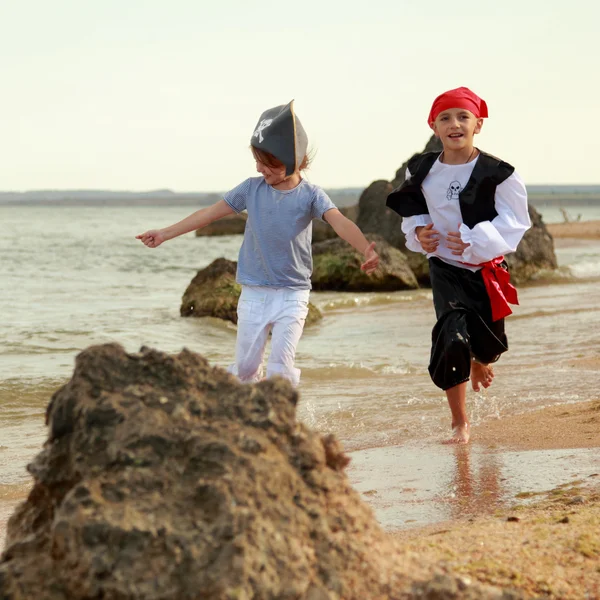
(456, 127)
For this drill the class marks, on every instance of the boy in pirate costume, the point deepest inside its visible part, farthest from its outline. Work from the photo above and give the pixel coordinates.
(275, 260)
(464, 209)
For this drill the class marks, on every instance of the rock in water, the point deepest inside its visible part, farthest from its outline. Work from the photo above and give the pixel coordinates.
(165, 478)
(214, 293)
(336, 266)
(229, 225)
(324, 231)
(374, 216)
(535, 254)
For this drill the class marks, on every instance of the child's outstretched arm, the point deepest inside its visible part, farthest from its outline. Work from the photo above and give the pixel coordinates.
(348, 231)
(201, 218)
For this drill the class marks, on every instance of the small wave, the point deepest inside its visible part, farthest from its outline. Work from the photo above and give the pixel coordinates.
(396, 370)
(26, 349)
(545, 276)
(574, 273)
(335, 371)
(586, 270)
(355, 371)
(552, 312)
(59, 331)
(361, 300)
(156, 268)
(15, 388)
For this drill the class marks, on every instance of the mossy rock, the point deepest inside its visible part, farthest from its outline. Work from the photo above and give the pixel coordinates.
(214, 293)
(314, 314)
(324, 231)
(229, 225)
(419, 264)
(336, 266)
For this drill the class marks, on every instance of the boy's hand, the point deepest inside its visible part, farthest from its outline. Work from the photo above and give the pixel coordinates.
(455, 243)
(372, 259)
(428, 237)
(152, 238)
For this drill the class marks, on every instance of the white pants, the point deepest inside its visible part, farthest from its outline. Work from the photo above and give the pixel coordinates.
(260, 310)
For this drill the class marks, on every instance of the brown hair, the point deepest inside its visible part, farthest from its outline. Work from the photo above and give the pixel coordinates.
(274, 163)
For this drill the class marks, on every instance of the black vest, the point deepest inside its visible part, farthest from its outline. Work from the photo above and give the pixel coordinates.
(477, 202)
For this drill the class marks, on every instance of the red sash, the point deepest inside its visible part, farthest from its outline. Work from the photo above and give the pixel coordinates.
(499, 288)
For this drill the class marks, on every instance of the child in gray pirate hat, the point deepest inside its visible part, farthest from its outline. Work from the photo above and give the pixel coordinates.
(275, 260)
(283, 137)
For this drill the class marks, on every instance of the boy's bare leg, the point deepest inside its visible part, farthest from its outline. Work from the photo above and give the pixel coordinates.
(481, 375)
(457, 400)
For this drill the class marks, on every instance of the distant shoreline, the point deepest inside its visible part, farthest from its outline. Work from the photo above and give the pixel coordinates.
(585, 230)
(548, 196)
(88, 202)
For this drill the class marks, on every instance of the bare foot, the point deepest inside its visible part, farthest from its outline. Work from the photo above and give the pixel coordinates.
(481, 374)
(460, 434)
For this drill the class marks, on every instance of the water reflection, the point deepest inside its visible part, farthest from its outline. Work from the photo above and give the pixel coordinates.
(409, 486)
(475, 487)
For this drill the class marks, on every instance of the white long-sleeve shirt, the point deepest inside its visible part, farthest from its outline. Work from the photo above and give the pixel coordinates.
(488, 239)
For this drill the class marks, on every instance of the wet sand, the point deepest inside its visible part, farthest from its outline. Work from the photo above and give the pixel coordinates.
(556, 427)
(579, 230)
(546, 546)
(543, 540)
(416, 484)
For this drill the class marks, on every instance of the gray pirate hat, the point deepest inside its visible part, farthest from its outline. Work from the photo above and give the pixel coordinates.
(280, 133)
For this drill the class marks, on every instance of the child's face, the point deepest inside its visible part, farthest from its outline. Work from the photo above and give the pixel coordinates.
(272, 175)
(456, 127)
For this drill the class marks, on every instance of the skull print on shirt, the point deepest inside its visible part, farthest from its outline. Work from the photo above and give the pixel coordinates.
(454, 190)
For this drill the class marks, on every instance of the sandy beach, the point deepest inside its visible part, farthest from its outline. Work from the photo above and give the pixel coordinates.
(546, 545)
(548, 549)
(589, 230)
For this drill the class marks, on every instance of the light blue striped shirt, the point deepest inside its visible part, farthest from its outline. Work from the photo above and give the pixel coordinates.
(276, 251)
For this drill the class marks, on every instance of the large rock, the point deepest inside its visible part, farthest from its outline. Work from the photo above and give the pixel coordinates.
(373, 214)
(323, 231)
(534, 255)
(230, 225)
(433, 145)
(375, 217)
(164, 479)
(214, 293)
(336, 266)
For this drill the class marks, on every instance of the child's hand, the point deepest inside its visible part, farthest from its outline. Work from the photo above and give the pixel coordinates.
(152, 238)
(428, 237)
(372, 259)
(455, 243)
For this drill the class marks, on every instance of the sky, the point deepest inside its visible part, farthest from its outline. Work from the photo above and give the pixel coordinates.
(153, 94)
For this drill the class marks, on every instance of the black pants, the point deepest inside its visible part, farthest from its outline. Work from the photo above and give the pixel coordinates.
(464, 328)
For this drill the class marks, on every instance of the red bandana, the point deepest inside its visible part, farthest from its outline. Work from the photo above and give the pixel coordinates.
(461, 97)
